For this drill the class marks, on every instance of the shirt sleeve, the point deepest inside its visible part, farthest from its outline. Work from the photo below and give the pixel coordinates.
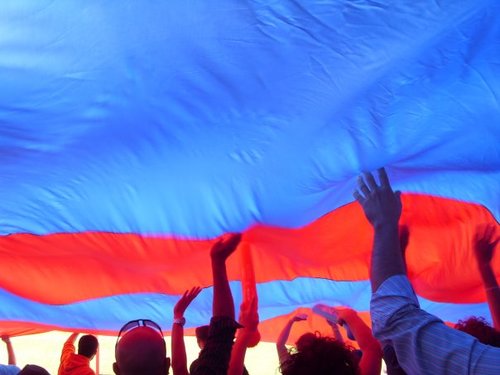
(67, 351)
(9, 369)
(422, 342)
(215, 356)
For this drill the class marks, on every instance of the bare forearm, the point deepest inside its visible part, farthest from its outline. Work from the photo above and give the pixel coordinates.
(223, 304)
(238, 353)
(179, 359)
(69, 346)
(387, 259)
(371, 361)
(361, 332)
(281, 342)
(10, 353)
(285, 333)
(336, 333)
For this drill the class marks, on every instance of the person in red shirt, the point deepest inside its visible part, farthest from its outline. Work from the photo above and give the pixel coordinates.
(78, 364)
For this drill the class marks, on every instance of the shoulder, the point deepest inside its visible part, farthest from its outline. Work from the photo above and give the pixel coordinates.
(9, 369)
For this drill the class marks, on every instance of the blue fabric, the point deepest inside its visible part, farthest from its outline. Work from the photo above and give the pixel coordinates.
(268, 109)
(275, 298)
(202, 117)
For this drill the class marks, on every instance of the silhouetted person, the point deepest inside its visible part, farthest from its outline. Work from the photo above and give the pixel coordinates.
(33, 370)
(321, 355)
(78, 363)
(141, 350)
(339, 359)
(201, 335)
(215, 355)
(423, 344)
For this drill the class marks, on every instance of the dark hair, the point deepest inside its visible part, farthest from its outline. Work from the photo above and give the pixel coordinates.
(322, 355)
(87, 345)
(202, 333)
(480, 329)
(33, 370)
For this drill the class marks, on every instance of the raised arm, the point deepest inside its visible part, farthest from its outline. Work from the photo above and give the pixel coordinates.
(485, 242)
(335, 330)
(179, 359)
(223, 304)
(10, 350)
(69, 346)
(246, 337)
(214, 357)
(371, 361)
(283, 337)
(423, 343)
(67, 350)
(382, 208)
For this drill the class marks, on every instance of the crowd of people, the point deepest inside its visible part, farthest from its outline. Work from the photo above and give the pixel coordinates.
(410, 340)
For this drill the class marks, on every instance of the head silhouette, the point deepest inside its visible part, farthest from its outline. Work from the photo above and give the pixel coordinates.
(141, 351)
(321, 355)
(202, 335)
(33, 370)
(480, 329)
(305, 340)
(87, 346)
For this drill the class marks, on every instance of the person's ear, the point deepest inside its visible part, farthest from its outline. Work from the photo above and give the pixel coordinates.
(116, 369)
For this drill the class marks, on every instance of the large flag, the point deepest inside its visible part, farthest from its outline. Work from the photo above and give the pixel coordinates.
(133, 133)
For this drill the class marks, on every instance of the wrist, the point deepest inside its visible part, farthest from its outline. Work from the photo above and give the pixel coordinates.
(217, 260)
(180, 321)
(385, 225)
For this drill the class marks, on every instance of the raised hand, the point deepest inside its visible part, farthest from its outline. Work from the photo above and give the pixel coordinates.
(344, 314)
(186, 299)
(225, 246)
(380, 204)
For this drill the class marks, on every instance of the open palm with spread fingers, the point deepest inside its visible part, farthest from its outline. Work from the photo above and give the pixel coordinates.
(186, 299)
(380, 204)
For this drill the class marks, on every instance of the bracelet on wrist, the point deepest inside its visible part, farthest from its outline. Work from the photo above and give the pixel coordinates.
(181, 321)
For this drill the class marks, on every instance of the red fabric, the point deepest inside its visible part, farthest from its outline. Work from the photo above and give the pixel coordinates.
(336, 246)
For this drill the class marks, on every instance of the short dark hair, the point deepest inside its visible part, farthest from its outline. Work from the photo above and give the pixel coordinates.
(33, 370)
(87, 345)
(202, 333)
(480, 329)
(321, 355)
